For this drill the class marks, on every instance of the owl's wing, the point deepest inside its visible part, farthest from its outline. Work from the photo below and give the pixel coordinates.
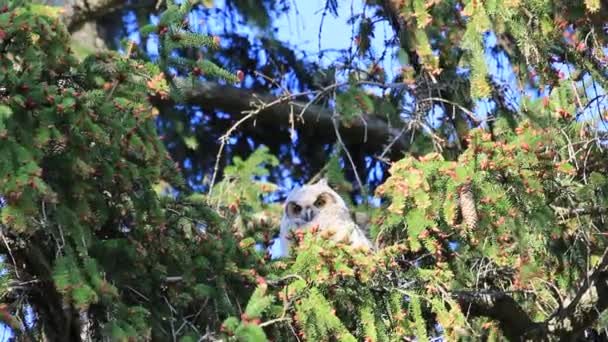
(358, 238)
(344, 226)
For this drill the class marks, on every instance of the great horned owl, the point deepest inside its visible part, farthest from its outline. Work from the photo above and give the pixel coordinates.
(319, 205)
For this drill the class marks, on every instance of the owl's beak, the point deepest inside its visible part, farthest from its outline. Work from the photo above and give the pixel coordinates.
(308, 214)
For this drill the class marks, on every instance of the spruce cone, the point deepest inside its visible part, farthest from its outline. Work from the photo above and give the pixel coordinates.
(66, 81)
(56, 146)
(467, 206)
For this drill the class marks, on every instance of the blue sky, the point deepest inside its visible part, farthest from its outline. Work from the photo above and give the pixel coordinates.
(302, 27)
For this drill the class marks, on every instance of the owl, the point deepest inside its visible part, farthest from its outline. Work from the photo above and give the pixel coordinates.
(319, 205)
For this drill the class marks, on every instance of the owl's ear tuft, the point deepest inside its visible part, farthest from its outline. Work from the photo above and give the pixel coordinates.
(322, 181)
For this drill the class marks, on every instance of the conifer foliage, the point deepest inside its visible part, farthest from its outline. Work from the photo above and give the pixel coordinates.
(101, 240)
(91, 246)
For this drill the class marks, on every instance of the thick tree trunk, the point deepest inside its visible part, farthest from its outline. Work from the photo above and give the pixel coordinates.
(59, 320)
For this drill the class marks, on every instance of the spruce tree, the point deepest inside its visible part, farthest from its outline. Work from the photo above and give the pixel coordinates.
(500, 235)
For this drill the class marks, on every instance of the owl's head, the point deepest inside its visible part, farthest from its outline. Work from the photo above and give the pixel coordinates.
(304, 204)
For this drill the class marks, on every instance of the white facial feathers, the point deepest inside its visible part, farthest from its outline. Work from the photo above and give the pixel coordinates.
(319, 205)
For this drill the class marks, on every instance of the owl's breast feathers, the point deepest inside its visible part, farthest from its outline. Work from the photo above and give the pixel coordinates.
(343, 227)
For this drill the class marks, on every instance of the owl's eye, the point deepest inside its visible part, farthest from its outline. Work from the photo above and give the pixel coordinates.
(320, 202)
(295, 209)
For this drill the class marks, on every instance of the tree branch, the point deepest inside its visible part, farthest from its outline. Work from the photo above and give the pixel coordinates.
(567, 323)
(513, 320)
(82, 11)
(373, 133)
(584, 307)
